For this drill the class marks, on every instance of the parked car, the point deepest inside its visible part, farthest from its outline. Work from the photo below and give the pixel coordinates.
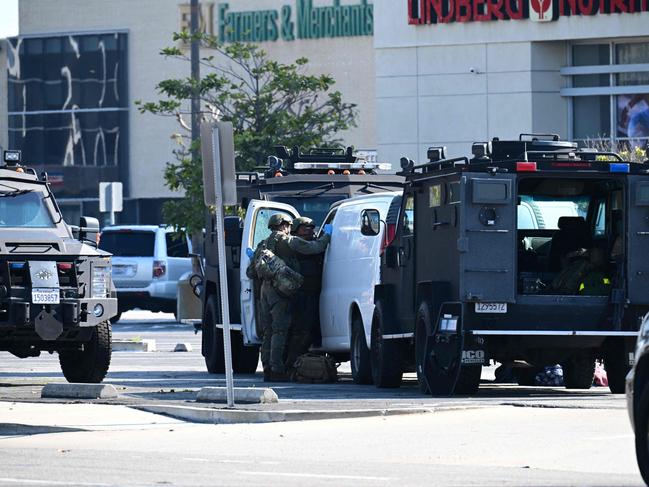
(637, 396)
(147, 263)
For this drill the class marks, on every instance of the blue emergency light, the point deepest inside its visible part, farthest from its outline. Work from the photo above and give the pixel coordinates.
(619, 167)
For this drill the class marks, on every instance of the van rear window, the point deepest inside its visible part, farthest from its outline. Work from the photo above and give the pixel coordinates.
(128, 243)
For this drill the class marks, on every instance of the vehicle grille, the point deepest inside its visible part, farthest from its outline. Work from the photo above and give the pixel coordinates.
(15, 275)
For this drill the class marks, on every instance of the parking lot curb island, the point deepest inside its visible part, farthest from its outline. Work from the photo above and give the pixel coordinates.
(79, 391)
(241, 394)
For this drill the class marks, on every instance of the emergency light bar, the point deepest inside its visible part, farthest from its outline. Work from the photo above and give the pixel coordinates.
(342, 165)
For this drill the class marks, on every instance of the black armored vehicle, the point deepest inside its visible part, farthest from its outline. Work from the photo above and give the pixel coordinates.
(56, 292)
(309, 182)
(530, 253)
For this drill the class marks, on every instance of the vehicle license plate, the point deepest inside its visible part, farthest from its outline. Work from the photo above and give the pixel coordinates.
(491, 307)
(45, 296)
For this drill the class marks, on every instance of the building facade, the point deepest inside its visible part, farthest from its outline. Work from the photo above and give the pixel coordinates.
(450, 72)
(77, 68)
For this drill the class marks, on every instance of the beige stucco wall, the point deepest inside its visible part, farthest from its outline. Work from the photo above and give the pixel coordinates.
(150, 24)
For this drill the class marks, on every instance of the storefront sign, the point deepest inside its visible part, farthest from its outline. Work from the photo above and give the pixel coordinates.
(309, 22)
(446, 11)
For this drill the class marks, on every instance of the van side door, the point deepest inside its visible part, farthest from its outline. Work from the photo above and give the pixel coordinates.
(255, 229)
(487, 241)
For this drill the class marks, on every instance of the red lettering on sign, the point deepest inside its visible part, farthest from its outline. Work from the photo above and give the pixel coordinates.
(568, 7)
(412, 18)
(514, 9)
(480, 11)
(463, 10)
(495, 9)
(586, 7)
(618, 6)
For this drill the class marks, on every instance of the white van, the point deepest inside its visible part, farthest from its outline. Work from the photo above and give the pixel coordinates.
(350, 273)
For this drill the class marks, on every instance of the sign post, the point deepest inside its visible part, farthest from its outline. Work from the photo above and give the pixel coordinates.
(111, 199)
(219, 188)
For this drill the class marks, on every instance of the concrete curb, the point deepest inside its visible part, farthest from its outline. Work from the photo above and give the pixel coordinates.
(260, 395)
(147, 345)
(234, 416)
(79, 391)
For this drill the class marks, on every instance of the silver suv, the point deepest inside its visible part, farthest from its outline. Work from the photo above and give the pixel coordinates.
(147, 263)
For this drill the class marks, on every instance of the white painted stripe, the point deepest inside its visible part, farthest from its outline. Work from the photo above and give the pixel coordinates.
(398, 335)
(553, 333)
(7, 480)
(316, 476)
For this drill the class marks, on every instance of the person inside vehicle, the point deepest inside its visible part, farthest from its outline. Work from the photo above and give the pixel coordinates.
(305, 322)
(583, 273)
(275, 316)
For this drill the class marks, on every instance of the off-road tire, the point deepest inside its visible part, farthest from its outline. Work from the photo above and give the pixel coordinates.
(422, 325)
(90, 364)
(360, 354)
(212, 340)
(116, 318)
(617, 367)
(641, 420)
(468, 381)
(579, 371)
(385, 354)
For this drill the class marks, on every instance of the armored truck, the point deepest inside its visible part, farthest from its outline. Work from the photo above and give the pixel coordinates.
(307, 182)
(56, 293)
(530, 253)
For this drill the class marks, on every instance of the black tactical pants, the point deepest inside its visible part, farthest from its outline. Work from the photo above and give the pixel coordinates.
(303, 322)
(275, 317)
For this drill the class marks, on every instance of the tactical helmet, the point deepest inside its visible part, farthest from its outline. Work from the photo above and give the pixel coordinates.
(298, 222)
(277, 219)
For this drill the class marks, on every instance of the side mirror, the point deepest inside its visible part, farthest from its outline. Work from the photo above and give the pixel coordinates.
(89, 230)
(370, 223)
(233, 231)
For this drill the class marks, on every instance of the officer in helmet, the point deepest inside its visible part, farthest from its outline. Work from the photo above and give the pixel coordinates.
(305, 324)
(275, 315)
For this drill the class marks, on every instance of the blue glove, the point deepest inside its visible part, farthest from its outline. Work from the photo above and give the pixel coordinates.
(250, 252)
(328, 229)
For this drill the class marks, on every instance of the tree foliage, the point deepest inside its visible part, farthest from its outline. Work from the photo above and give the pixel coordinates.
(268, 103)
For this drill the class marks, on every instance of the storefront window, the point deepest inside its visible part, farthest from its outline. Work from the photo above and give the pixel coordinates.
(67, 97)
(611, 103)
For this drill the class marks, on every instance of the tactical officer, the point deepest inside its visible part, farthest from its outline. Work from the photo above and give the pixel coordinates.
(274, 307)
(305, 323)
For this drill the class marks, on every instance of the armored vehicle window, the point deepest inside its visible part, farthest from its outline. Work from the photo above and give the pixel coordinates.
(435, 196)
(24, 210)
(315, 208)
(491, 190)
(409, 215)
(128, 243)
(642, 194)
(177, 245)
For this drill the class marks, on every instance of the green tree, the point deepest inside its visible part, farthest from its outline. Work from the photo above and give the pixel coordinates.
(268, 103)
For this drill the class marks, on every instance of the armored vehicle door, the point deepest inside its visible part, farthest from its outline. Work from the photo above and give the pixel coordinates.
(487, 241)
(255, 229)
(638, 240)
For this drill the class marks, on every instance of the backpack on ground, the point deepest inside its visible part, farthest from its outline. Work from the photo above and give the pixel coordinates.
(313, 368)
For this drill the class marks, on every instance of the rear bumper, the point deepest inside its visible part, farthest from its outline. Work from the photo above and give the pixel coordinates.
(157, 289)
(18, 320)
(144, 300)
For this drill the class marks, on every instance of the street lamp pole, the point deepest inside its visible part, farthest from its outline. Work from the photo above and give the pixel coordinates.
(195, 67)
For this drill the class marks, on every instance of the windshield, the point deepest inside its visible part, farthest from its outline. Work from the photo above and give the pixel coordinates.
(24, 209)
(315, 208)
(543, 212)
(128, 243)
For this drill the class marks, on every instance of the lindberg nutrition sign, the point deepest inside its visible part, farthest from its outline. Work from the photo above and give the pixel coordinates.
(447, 11)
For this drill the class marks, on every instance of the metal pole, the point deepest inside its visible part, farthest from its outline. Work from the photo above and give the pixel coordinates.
(195, 68)
(223, 276)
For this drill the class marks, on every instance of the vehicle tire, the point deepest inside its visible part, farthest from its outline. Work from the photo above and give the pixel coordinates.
(213, 340)
(579, 371)
(641, 420)
(89, 365)
(617, 367)
(422, 326)
(468, 381)
(244, 359)
(116, 318)
(385, 354)
(360, 354)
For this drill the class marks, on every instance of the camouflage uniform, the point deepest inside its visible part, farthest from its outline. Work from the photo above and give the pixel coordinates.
(274, 307)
